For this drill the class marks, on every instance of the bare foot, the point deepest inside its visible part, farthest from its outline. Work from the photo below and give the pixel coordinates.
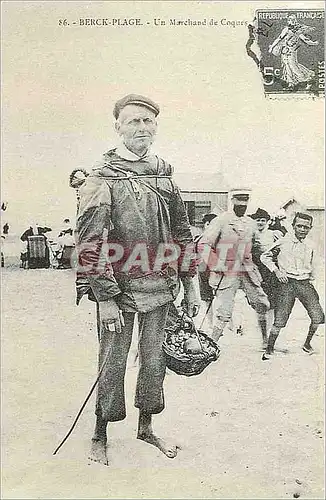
(98, 452)
(169, 450)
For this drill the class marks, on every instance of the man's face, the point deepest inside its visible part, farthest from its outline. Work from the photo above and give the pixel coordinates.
(261, 223)
(239, 207)
(137, 126)
(301, 228)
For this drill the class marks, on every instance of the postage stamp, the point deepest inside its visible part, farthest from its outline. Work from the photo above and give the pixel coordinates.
(290, 52)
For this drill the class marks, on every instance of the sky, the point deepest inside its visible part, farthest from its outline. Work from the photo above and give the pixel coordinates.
(60, 83)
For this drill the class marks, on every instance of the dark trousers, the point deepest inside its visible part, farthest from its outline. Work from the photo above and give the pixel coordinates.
(306, 293)
(149, 398)
(269, 284)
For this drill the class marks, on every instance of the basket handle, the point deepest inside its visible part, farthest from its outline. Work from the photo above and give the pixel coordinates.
(207, 311)
(194, 326)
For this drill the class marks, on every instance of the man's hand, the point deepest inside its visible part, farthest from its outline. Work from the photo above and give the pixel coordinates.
(281, 276)
(110, 316)
(190, 301)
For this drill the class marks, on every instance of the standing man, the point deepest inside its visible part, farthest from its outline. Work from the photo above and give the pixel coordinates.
(130, 212)
(229, 240)
(206, 293)
(267, 238)
(294, 269)
(205, 290)
(65, 246)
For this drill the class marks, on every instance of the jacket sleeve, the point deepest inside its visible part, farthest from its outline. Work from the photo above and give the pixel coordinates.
(182, 236)
(208, 244)
(212, 233)
(257, 247)
(92, 225)
(268, 257)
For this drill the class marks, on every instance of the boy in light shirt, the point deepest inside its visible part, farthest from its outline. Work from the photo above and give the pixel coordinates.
(295, 273)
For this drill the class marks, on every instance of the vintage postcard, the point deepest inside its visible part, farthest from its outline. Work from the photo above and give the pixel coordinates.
(162, 249)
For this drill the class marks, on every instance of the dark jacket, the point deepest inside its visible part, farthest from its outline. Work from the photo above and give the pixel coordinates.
(134, 206)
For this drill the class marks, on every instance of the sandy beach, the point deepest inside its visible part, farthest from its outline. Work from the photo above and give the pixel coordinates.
(246, 428)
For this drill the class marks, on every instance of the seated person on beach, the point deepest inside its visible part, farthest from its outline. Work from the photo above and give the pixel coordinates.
(34, 230)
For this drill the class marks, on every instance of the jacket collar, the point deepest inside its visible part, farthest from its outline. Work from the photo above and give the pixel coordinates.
(293, 238)
(126, 154)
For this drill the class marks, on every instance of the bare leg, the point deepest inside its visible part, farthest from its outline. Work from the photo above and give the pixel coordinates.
(99, 442)
(145, 433)
(307, 346)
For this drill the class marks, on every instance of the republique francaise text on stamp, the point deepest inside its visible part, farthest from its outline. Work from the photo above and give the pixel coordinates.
(291, 51)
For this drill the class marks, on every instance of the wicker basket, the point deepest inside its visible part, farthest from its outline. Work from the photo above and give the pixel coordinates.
(179, 328)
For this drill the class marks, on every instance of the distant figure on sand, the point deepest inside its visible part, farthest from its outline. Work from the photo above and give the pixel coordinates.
(36, 254)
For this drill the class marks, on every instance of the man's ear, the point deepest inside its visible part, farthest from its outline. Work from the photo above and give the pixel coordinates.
(117, 127)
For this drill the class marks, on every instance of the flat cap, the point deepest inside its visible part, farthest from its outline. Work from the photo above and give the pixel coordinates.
(260, 214)
(138, 100)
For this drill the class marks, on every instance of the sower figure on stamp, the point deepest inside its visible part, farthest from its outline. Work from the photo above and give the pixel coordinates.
(226, 246)
(286, 45)
(131, 210)
(294, 269)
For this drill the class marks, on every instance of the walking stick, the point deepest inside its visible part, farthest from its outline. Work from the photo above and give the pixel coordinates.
(98, 321)
(76, 183)
(92, 388)
(211, 303)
